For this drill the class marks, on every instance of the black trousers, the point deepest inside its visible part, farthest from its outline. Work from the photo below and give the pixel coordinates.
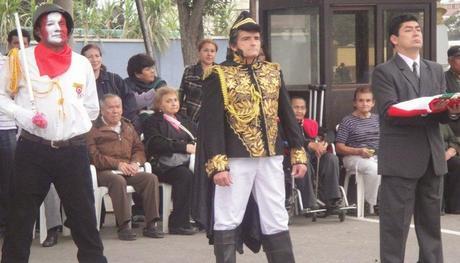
(180, 178)
(452, 186)
(36, 166)
(399, 199)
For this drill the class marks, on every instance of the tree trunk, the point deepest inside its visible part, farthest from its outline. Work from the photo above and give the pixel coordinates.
(145, 29)
(191, 28)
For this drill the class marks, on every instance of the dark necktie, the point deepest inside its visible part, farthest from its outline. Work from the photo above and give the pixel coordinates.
(414, 69)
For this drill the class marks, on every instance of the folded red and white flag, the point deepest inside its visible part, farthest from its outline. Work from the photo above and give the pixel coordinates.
(423, 105)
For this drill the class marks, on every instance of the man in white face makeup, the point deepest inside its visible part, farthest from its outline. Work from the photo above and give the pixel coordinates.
(52, 145)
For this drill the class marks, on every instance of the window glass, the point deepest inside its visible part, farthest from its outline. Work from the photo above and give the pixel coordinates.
(294, 43)
(353, 46)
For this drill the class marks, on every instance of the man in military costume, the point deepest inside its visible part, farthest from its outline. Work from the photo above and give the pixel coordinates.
(245, 104)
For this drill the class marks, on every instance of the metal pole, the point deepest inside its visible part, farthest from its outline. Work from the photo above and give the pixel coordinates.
(315, 104)
(321, 107)
(145, 29)
(310, 102)
(25, 62)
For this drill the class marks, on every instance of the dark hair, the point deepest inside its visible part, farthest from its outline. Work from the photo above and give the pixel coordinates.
(14, 33)
(361, 90)
(91, 46)
(397, 21)
(295, 97)
(207, 41)
(137, 63)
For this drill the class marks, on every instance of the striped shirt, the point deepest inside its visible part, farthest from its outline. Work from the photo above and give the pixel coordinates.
(6, 123)
(359, 133)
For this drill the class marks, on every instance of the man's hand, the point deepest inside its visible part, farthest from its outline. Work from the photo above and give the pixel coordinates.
(299, 170)
(222, 179)
(190, 148)
(365, 153)
(319, 148)
(439, 106)
(125, 168)
(134, 168)
(454, 109)
(451, 152)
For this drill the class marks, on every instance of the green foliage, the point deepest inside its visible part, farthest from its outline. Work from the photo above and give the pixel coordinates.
(453, 26)
(162, 17)
(25, 10)
(219, 23)
(119, 18)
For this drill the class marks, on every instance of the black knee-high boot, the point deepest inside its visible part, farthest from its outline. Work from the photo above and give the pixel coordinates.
(278, 248)
(225, 246)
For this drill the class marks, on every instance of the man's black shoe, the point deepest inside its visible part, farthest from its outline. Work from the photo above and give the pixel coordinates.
(182, 231)
(153, 232)
(126, 234)
(51, 238)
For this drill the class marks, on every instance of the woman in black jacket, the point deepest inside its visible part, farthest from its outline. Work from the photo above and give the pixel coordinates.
(108, 82)
(171, 147)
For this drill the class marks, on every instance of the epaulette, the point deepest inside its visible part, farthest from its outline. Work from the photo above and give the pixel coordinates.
(207, 72)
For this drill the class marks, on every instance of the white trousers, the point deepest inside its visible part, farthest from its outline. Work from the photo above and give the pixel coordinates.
(264, 177)
(367, 167)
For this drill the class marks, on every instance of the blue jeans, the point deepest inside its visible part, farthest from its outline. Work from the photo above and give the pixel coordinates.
(7, 150)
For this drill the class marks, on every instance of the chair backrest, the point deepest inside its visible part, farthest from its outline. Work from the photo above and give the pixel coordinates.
(94, 176)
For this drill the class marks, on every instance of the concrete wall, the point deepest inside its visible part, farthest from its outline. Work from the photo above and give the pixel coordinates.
(116, 53)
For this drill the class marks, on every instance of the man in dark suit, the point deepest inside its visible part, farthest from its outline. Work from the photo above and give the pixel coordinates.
(411, 157)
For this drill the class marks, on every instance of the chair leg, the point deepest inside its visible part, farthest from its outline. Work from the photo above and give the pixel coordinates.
(167, 205)
(360, 195)
(346, 182)
(43, 228)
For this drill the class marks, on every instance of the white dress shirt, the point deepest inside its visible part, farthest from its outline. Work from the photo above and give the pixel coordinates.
(410, 62)
(68, 109)
(6, 122)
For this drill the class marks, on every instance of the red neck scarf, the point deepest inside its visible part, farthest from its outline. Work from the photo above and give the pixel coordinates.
(52, 63)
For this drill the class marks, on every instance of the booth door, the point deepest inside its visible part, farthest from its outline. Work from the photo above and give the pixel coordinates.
(350, 58)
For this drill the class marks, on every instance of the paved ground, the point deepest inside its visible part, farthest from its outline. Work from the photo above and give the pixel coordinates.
(324, 241)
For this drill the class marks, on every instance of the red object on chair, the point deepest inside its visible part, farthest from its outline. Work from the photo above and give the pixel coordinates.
(310, 128)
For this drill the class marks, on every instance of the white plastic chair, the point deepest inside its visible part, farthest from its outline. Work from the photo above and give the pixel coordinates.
(359, 180)
(101, 191)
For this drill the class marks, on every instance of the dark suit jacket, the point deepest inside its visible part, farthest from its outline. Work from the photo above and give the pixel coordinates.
(407, 144)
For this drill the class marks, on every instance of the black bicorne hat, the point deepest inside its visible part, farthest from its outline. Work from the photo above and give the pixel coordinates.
(244, 22)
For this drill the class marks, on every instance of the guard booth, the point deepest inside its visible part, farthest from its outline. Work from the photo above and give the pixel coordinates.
(336, 43)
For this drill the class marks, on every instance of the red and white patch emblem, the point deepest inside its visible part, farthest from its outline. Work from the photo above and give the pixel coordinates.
(78, 88)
